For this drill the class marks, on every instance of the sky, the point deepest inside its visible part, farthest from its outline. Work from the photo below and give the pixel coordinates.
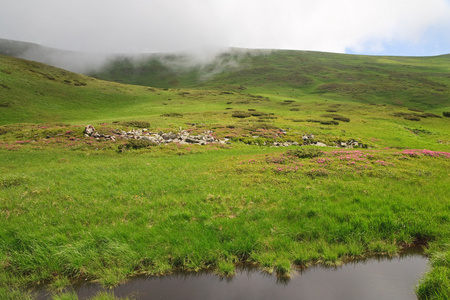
(374, 27)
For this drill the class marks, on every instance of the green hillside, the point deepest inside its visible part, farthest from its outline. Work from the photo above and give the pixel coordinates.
(282, 160)
(420, 82)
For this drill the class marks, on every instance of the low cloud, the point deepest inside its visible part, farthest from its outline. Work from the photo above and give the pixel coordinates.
(150, 26)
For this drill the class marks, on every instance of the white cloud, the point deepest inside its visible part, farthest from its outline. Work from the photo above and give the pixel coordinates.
(172, 25)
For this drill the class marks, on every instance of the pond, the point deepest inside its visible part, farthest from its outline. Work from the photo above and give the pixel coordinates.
(374, 278)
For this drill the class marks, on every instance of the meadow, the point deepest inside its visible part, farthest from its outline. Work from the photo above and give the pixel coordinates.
(76, 208)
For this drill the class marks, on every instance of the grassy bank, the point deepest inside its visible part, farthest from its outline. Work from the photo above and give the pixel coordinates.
(78, 208)
(70, 215)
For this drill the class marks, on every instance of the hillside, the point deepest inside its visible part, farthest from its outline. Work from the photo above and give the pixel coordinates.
(256, 163)
(420, 82)
(414, 82)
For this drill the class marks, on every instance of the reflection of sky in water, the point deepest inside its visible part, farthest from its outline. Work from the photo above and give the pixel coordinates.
(370, 279)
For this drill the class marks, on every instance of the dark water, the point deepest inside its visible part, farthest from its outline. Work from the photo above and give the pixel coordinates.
(376, 278)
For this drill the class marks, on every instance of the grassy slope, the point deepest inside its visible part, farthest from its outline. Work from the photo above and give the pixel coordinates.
(420, 82)
(109, 215)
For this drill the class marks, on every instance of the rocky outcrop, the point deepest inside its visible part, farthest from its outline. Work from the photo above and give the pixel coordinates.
(182, 137)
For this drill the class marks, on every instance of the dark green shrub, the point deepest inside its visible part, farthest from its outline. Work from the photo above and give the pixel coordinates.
(446, 114)
(137, 124)
(313, 121)
(342, 118)
(258, 113)
(331, 110)
(329, 122)
(251, 109)
(430, 115)
(336, 117)
(241, 114)
(173, 115)
(305, 152)
(415, 109)
(411, 117)
(294, 109)
(289, 101)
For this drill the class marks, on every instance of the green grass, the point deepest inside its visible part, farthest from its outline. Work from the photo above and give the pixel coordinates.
(75, 208)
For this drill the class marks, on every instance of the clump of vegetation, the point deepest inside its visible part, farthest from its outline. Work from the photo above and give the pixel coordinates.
(241, 114)
(6, 183)
(289, 101)
(137, 124)
(294, 109)
(436, 283)
(136, 144)
(172, 115)
(430, 115)
(268, 117)
(329, 122)
(411, 117)
(446, 114)
(336, 117)
(258, 113)
(415, 109)
(305, 152)
(251, 109)
(408, 116)
(331, 110)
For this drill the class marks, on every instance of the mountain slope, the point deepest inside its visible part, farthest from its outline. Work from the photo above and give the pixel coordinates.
(33, 92)
(414, 82)
(420, 82)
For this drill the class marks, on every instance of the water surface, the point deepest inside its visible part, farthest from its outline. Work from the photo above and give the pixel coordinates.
(375, 278)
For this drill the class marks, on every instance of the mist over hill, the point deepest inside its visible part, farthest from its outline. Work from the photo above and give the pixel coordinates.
(421, 82)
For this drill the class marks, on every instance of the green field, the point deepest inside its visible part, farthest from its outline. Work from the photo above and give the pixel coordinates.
(76, 208)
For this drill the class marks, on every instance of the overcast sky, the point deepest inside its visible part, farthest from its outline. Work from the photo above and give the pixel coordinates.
(394, 27)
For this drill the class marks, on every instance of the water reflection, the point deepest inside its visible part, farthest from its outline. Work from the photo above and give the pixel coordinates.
(375, 278)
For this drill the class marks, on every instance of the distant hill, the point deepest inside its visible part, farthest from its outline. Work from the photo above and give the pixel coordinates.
(422, 82)
(73, 61)
(418, 82)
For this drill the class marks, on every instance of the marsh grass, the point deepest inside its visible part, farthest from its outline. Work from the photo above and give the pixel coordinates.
(74, 208)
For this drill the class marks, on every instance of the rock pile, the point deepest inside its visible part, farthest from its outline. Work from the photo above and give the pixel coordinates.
(207, 137)
(182, 137)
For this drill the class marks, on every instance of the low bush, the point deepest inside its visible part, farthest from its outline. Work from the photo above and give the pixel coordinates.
(336, 117)
(415, 109)
(172, 115)
(341, 118)
(430, 115)
(241, 114)
(446, 114)
(329, 122)
(258, 113)
(137, 124)
(294, 109)
(136, 144)
(305, 152)
(411, 117)
(408, 116)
